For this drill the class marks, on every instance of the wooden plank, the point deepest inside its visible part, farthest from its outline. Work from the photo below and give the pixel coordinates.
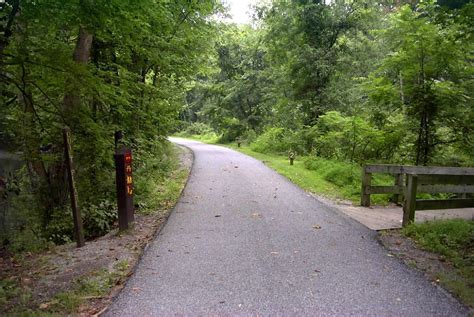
(403, 169)
(428, 189)
(432, 204)
(366, 181)
(446, 179)
(455, 189)
(397, 197)
(410, 200)
(384, 168)
(384, 190)
(438, 170)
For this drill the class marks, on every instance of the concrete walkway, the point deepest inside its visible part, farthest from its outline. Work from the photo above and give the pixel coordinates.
(390, 217)
(243, 240)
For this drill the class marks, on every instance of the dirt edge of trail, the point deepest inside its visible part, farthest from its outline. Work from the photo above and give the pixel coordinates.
(110, 260)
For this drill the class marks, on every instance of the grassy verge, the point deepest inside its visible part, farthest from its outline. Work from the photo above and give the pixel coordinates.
(311, 180)
(329, 178)
(454, 241)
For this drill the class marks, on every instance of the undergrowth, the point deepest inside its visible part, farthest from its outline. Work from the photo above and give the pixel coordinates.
(454, 241)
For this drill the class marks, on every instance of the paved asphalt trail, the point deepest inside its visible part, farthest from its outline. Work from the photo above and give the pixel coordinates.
(241, 242)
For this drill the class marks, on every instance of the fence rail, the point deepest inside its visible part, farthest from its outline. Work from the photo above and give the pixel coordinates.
(410, 180)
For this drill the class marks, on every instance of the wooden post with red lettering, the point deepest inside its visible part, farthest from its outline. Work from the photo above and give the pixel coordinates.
(124, 181)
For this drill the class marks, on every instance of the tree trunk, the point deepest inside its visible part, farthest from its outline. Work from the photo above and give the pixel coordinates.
(7, 31)
(81, 55)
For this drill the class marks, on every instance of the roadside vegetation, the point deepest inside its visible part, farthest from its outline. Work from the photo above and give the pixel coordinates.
(343, 84)
(97, 68)
(451, 262)
(338, 83)
(62, 280)
(153, 166)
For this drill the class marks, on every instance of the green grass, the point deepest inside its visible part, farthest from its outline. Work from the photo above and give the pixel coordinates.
(297, 173)
(454, 240)
(330, 178)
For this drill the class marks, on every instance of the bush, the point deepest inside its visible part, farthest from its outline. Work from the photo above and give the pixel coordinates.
(353, 138)
(249, 136)
(60, 228)
(98, 219)
(233, 129)
(277, 140)
(344, 175)
(347, 176)
(197, 128)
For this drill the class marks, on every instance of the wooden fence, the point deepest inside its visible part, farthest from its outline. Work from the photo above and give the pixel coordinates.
(410, 180)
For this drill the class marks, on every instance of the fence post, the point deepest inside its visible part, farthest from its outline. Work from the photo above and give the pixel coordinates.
(399, 183)
(409, 204)
(366, 181)
(76, 213)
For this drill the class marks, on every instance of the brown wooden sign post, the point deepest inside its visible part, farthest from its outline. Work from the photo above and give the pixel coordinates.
(76, 213)
(291, 157)
(124, 181)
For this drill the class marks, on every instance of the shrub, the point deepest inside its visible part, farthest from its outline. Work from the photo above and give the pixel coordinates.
(347, 176)
(98, 219)
(197, 128)
(249, 136)
(354, 139)
(233, 129)
(277, 140)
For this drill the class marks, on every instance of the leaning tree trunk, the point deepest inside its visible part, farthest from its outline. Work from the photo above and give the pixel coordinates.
(71, 105)
(81, 55)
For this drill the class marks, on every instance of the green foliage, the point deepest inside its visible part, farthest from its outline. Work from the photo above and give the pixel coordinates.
(231, 98)
(197, 128)
(98, 219)
(276, 140)
(233, 129)
(353, 81)
(60, 228)
(426, 76)
(453, 239)
(354, 139)
(153, 175)
(131, 73)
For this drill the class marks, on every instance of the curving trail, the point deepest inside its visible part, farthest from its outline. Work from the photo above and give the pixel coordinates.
(244, 240)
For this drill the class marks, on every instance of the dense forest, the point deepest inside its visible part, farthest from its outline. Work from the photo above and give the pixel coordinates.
(353, 81)
(97, 67)
(350, 80)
